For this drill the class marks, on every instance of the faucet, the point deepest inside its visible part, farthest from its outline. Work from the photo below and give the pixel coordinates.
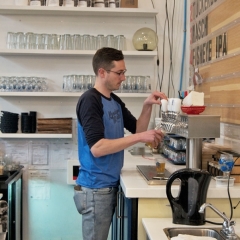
(227, 227)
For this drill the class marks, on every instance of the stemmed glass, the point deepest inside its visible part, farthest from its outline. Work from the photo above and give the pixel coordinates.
(226, 164)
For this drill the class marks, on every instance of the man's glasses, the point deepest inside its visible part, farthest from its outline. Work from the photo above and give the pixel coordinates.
(120, 73)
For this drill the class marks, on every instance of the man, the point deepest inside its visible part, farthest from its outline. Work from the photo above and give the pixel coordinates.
(102, 117)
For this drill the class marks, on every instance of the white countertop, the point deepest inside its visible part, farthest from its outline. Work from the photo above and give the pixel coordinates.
(154, 226)
(134, 185)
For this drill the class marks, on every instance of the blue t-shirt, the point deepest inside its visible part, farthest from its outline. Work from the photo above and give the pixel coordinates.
(100, 117)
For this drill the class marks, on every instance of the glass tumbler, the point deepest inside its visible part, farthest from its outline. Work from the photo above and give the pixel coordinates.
(86, 42)
(68, 42)
(110, 41)
(77, 42)
(54, 42)
(29, 40)
(74, 83)
(100, 43)
(82, 83)
(20, 40)
(46, 41)
(11, 40)
(120, 42)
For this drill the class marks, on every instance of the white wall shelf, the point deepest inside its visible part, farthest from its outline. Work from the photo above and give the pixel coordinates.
(77, 11)
(35, 135)
(30, 52)
(63, 94)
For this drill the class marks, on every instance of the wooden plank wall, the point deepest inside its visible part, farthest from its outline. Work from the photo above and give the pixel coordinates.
(221, 69)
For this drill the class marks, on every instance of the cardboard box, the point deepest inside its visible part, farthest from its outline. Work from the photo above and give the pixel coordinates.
(129, 3)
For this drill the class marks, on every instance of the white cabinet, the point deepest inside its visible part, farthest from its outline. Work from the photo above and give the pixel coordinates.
(53, 64)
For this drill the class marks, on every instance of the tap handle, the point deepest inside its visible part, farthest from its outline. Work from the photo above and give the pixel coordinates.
(232, 223)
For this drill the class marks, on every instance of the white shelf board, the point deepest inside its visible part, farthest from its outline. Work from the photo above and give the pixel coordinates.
(33, 52)
(77, 11)
(34, 135)
(63, 94)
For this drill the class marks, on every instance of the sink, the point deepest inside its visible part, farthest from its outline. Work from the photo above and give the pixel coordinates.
(206, 232)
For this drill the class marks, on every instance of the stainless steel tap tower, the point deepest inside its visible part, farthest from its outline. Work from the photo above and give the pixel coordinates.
(194, 128)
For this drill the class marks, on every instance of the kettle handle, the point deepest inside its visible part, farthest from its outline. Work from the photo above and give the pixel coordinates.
(177, 174)
(170, 180)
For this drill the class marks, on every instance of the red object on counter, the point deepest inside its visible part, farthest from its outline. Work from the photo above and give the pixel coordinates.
(193, 109)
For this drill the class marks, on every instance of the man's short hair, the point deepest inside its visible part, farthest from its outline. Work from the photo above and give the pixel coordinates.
(104, 58)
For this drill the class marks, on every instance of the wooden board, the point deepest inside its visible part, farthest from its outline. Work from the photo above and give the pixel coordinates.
(54, 125)
(54, 121)
(223, 91)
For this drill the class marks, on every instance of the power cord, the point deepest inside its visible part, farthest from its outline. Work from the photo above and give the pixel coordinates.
(229, 197)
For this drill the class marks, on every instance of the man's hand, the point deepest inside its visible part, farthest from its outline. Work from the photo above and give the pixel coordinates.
(154, 137)
(155, 98)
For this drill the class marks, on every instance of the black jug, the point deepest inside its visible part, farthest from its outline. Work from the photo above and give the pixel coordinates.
(192, 194)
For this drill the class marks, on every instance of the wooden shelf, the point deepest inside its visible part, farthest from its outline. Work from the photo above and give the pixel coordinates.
(84, 53)
(77, 11)
(34, 135)
(62, 94)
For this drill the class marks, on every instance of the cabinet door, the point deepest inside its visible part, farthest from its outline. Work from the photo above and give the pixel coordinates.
(124, 224)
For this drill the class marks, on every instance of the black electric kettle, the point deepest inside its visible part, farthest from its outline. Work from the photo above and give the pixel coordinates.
(192, 194)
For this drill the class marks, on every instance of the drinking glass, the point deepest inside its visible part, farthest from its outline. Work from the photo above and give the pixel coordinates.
(77, 42)
(82, 83)
(29, 40)
(110, 41)
(123, 87)
(90, 81)
(44, 84)
(19, 84)
(11, 40)
(20, 40)
(14, 83)
(29, 84)
(46, 41)
(129, 84)
(68, 42)
(146, 84)
(139, 82)
(134, 84)
(120, 42)
(54, 41)
(1, 84)
(38, 84)
(93, 44)
(34, 83)
(86, 42)
(38, 41)
(7, 84)
(74, 83)
(100, 41)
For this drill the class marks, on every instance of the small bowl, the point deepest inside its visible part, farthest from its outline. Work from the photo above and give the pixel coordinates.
(193, 109)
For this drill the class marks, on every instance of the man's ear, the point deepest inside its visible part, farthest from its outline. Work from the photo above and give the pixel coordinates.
(101, 72)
